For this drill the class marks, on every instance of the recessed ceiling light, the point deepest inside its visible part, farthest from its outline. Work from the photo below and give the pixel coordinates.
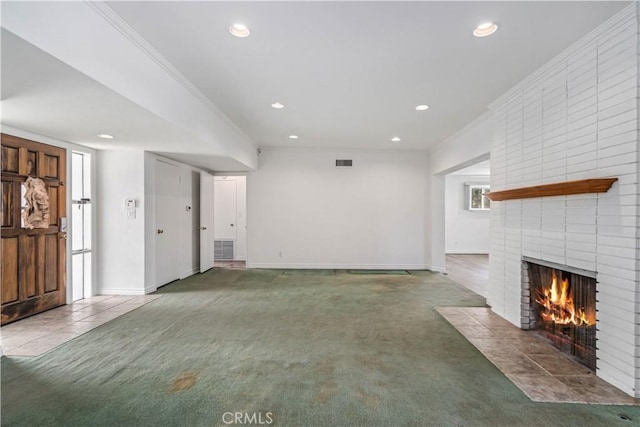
(422, 107)
(485, 29)
(395, 139)
(105, 136)
(293, 136)
(239, 30)
(277, 105)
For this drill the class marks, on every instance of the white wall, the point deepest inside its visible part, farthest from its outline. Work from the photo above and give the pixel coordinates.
(121, 240)
(304, 212)
(466, 232)
(576, 118)
(469, 146)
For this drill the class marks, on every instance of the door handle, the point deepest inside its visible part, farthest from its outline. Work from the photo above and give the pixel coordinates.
(232, 225)
(62, 236)
(203, 228)
(160, 231)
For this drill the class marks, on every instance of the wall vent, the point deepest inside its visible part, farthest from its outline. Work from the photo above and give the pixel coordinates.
(347, 163)
(223, 250)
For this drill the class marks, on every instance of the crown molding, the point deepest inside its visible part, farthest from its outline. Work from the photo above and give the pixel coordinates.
(113, 19)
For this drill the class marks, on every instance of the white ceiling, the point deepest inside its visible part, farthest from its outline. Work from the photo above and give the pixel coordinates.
(45, 96)
(349, 73)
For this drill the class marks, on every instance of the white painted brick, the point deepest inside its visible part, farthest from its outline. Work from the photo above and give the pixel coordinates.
(618, 36)
(615, 301)
(622, 221)
(616, 99)
(617, 262)
(621, 159)
(622, 48)
(578, 119)
(587, 94)
(609, 91)
(616, 251)
(583, 140)
(621, 63)
(577, 115)
(628, 148)
(619, 108)
(616, 273)
(579, 133)
(616, 287)
(618, 170)
(624, 128)
(589, 156)
(587, 239)
(628, 116)
(589, 104)
(614, 345)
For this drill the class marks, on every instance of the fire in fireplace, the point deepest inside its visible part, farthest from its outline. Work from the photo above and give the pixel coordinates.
(563, 304)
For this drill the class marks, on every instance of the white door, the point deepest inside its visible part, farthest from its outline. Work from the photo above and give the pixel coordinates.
(225, 210)
(206, 221)
(167, 223)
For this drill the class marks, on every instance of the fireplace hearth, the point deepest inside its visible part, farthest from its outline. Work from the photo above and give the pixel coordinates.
(562, 308)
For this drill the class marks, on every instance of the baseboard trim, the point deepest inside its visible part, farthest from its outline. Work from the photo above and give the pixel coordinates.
(437, 269)
(338, 266)
(467, 253)
(189, 273)
(123, 291)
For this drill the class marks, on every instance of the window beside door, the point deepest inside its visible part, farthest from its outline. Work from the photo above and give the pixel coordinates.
(81, 244)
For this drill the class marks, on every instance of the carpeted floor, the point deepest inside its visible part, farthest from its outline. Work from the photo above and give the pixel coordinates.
(299, 349)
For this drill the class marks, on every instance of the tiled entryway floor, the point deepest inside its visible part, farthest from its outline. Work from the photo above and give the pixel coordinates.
(38, 334)
(540, 370)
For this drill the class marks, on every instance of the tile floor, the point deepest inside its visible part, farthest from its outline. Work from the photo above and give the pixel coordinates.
(38, 334)
(540, 370)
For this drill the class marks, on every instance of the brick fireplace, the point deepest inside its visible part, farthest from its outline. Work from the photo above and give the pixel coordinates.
(575, 118)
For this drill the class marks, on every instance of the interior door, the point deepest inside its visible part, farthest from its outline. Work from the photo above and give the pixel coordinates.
(225, 210)
(167, 223)
(33, 259)
(206, 221)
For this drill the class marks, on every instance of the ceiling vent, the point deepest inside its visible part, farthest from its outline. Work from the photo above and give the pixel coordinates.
(344, 163)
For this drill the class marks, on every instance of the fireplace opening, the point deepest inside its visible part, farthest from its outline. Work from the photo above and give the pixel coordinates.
(563, 310)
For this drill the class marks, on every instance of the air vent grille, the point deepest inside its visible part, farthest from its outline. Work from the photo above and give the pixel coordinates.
(223, 250)
(344, 163)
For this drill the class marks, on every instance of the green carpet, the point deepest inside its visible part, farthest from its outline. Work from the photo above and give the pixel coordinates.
(312, 350)
(378, 272)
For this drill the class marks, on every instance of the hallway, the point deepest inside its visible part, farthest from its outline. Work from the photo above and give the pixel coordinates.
(470, 270)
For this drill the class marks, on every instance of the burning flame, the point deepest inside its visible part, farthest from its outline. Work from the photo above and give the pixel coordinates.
(559, 307)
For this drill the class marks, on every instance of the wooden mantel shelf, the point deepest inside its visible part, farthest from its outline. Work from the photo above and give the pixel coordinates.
(593, 185)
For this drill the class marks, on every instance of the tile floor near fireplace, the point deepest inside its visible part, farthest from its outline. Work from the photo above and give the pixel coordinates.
(540, 370)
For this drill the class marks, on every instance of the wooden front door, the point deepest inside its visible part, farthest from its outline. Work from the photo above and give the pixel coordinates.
(33, 260)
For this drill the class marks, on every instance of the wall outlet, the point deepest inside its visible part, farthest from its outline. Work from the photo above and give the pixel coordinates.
(280, 254)
(131, 214)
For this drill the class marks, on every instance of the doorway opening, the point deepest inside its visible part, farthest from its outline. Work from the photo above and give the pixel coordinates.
(81, 223)
(230, 221)
(467, 226)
